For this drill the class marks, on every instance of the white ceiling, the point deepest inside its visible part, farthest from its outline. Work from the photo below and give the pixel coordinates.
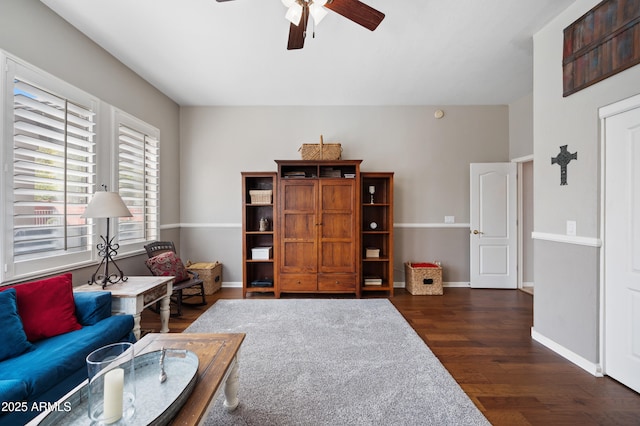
(425, 52)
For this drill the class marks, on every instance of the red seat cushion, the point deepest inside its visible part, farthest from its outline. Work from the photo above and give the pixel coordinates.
(47, 307)
(168, 264)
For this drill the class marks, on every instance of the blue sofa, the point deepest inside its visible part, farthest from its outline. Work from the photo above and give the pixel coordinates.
(55, 365)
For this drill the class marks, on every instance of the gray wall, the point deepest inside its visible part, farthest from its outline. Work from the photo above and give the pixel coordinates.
(521, 127)
(566, 305)
(430, 159)
(33, 33)
(521, 146)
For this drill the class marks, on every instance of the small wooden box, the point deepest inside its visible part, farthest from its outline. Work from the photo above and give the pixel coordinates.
(210, 273)
(423, 279)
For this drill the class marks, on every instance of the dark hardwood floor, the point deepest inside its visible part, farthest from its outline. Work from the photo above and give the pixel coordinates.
(483, 337)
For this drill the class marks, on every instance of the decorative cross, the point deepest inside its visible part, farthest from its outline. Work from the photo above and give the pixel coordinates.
(563, 160)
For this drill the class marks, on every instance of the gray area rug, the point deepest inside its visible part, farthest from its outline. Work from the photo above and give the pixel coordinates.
(333, 362)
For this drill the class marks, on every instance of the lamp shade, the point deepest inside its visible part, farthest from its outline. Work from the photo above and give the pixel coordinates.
(106, 204)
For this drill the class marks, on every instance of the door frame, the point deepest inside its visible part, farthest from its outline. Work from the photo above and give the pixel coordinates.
(605, 112)
(520, 230)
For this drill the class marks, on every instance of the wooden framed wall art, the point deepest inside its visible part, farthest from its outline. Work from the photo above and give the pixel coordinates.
(601, 43)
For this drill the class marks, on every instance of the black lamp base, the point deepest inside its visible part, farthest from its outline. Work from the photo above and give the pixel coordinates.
(107, 249)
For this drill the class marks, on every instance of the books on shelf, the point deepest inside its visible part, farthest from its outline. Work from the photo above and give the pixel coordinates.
(264, 282)
(330, 172)
(295, 174)
(325, 172)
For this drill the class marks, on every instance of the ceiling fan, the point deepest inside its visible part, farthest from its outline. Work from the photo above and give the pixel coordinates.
(298, 12)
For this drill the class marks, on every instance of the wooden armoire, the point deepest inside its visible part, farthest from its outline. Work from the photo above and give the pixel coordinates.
(323, 227)
(319, 216)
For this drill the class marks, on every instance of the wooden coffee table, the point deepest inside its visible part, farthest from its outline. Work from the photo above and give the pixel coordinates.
(218, 356)
(217, 371)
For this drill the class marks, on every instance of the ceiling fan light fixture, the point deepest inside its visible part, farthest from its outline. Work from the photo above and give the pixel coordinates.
(317, 11)
(294, 13)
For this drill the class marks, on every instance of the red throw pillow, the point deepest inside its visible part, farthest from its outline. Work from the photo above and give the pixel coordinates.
(168, 264)
(47, 307)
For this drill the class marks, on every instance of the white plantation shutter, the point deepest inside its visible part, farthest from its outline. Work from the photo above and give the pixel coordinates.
(53, 172)
(138, 177)
(53, 161)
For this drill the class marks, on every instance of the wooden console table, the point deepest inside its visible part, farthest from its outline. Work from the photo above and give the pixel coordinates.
(137, 293)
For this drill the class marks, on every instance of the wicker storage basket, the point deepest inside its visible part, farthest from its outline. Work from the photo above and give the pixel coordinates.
(210, 273)
(321, 151)
(260, 196)
(423, 279)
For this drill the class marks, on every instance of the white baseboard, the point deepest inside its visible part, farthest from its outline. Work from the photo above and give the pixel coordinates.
(464, 284)
(232, 284)
(590, 367)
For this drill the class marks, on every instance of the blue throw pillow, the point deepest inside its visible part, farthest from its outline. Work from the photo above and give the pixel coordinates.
(14, 340)
(92, 306)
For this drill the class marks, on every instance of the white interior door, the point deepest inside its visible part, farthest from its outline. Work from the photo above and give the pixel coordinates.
(493, 237)
(622, 248)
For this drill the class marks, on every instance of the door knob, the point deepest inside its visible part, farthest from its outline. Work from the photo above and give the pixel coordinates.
(476, 232)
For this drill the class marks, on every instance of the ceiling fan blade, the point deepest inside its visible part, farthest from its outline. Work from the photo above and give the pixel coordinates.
(219, 1)
(297, 33)
(358, 12)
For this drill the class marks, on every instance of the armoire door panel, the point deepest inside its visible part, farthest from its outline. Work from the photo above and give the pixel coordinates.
(299, 196)
(337, 225)
(337, 256)
(299, 226)
(337, 196)
(299, 257)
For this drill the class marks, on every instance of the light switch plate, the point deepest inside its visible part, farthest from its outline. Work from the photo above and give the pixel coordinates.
(571, 228)
(449, 219)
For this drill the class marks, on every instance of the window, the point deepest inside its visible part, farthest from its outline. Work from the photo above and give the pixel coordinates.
(138, 178)
(54, 158)
(53, 170)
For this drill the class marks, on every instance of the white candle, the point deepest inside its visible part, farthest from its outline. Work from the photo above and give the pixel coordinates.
(113, 395)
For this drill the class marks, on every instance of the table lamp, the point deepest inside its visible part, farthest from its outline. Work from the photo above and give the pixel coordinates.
(106, 204)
